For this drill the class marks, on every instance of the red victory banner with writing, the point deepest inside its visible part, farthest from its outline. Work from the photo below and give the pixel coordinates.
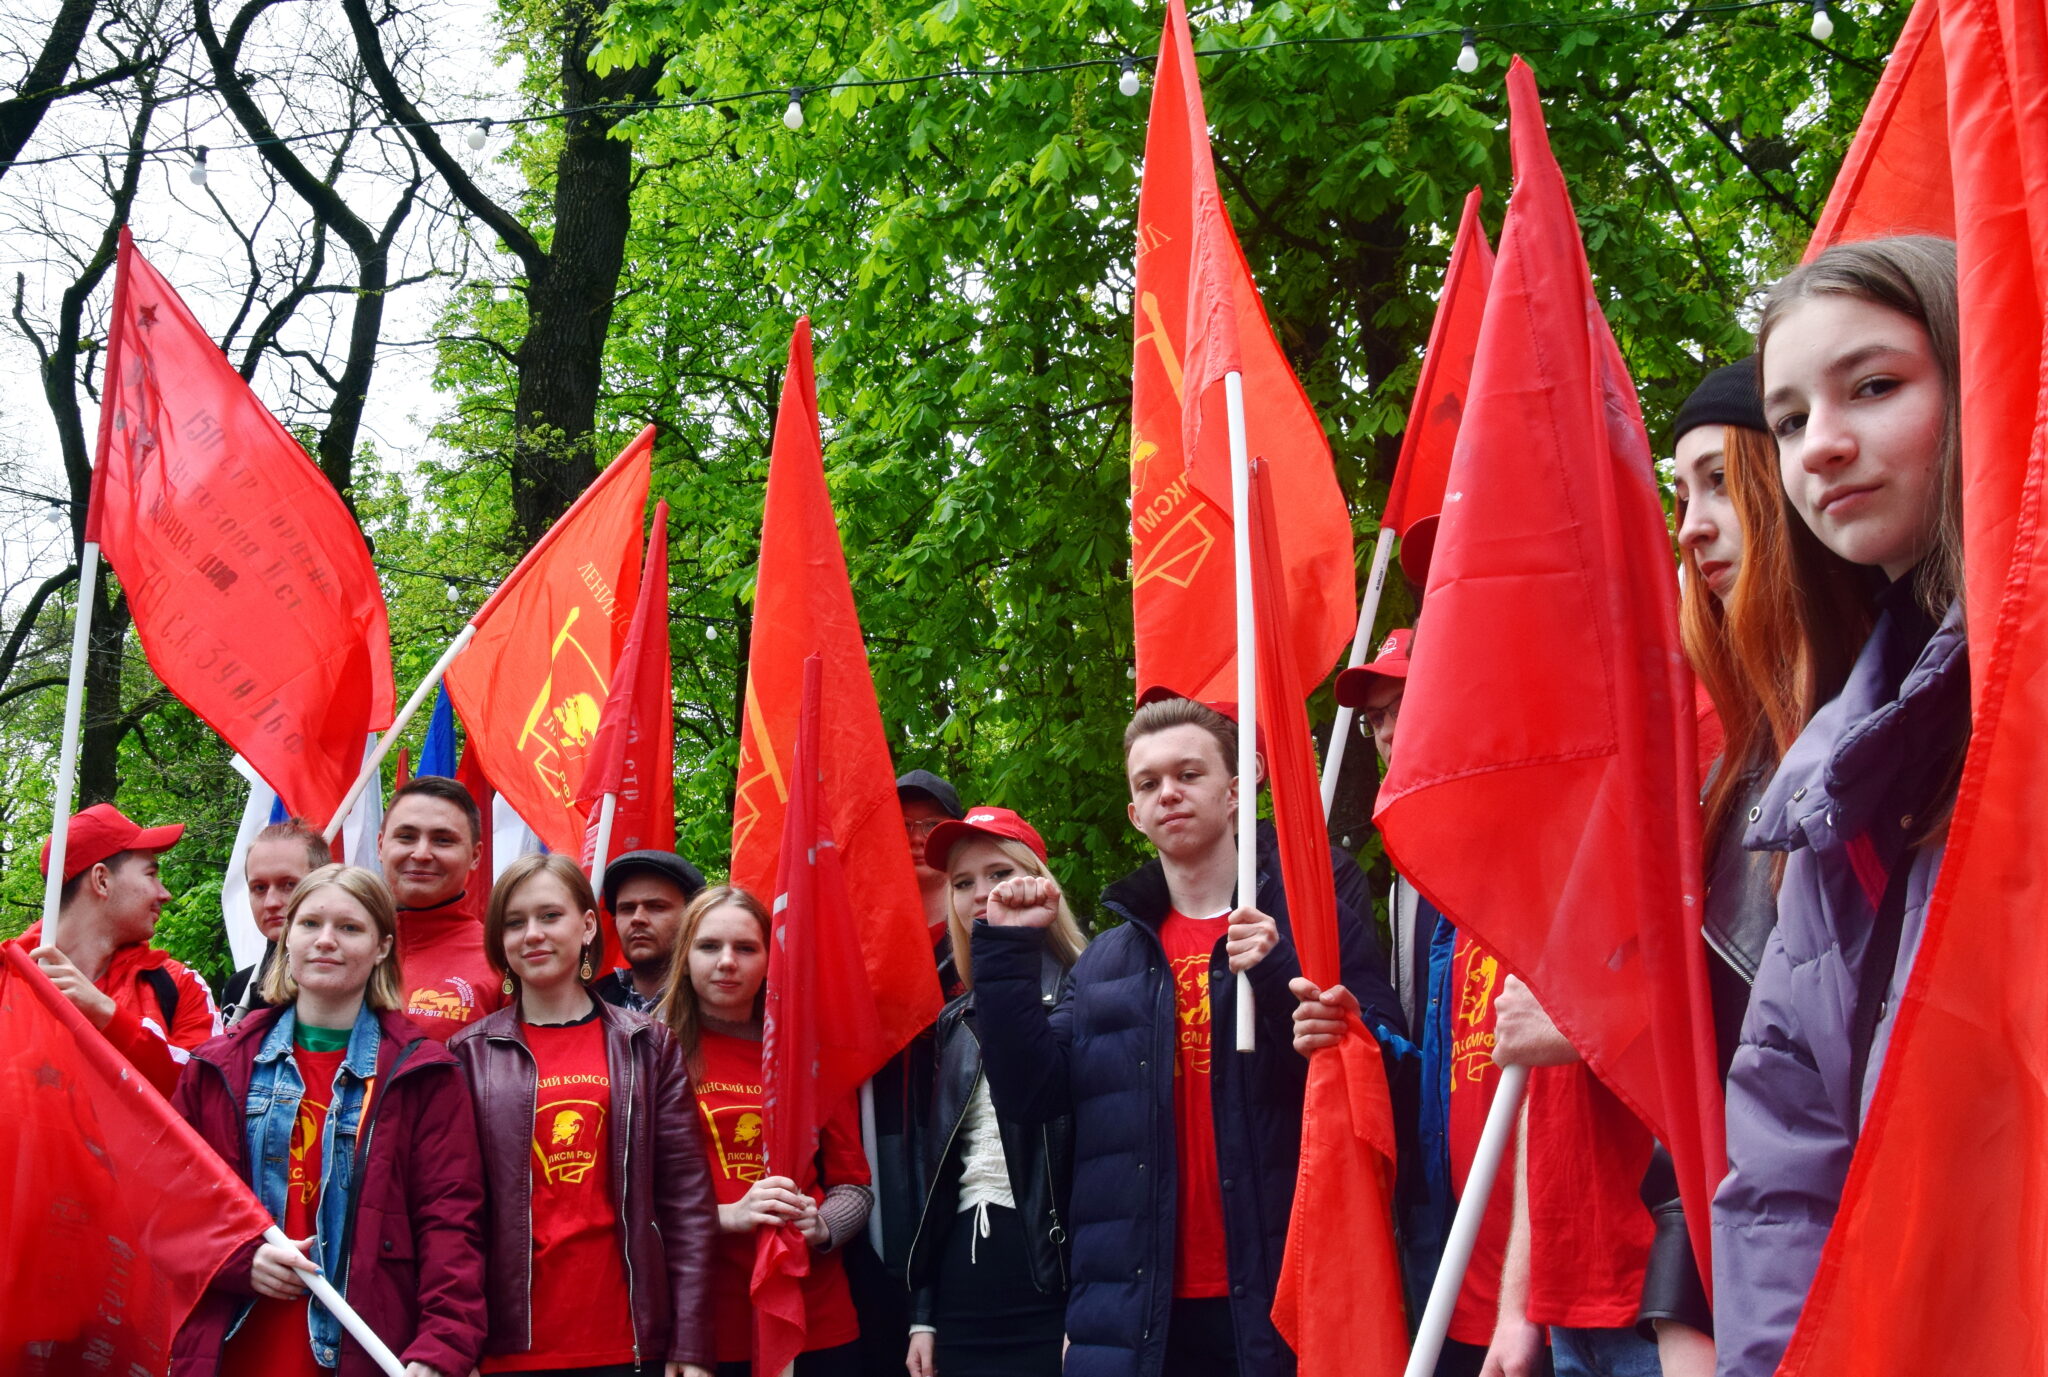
(1347, 1128)
(1432, 435)
(1198, 316)
(250, 585)
(803, 606)
(532, 685)
(1554, 552)
(114, 1215)
(1895, 179)
(634, 755)
(1936, 1261)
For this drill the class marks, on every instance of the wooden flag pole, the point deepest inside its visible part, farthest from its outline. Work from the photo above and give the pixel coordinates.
(1479, 1184)
(375, 759)
(1247, 688)
(1368, 613)
(67, 753)
(323, 1291)
(607, 810)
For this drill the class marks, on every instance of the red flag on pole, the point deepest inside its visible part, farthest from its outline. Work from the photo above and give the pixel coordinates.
(114, 1216)
(251, 587)
(1347, 1129)
(803, 605)
(1895, 179)
(1198, 316)
(1936, 1262)
(634, 753)
(1554, 553)
(532, 684)
(1432, 434)
(813, 986)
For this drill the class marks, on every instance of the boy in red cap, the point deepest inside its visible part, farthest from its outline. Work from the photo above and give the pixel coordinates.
(154, 1010)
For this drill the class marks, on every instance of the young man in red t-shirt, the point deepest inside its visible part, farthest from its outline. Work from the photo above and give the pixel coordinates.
(151, 1008)
(431, 849)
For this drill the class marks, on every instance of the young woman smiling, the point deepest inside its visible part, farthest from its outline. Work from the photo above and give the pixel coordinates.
(600, 1224)
(1859, 365)
(714, 1007)
(355, 1129)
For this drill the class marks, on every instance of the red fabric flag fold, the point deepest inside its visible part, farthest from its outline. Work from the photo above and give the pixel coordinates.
(1347, 1130)
(1544, 794)
(252, 591)
(532, 685)
(1432, 435)
(803, 605)
(1936, 1261)
(634, 752)
(1197, 317)
(114, 1216)
(1895, 179)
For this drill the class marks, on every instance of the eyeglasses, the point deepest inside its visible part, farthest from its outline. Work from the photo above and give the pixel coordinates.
(921, 829)
(1375, 718)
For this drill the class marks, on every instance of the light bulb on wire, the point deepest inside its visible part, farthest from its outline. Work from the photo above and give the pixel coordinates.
(1468, 53)
(480, 135)
(793, 117)
(1823, 27)
(1128, 82)
(197, 174)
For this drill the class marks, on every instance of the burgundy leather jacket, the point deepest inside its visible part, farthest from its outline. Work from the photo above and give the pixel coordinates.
(415, 1266)
(659, 1171)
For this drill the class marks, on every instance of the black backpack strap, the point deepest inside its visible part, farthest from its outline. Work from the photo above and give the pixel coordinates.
(166, 987)
(1879, 960)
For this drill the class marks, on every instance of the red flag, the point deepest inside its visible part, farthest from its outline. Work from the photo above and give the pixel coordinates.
(1198, 316)
(634, 754)
(471, 776)
(532, 684)
(814, 950)
(251, 587)
(1347, 1128)
(1895, 179)
(1936, 1262)
(1439, 404)
(114, 1216)
(1544, 793)
(803, 605)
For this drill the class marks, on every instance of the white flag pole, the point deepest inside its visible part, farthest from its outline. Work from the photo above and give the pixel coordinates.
(323, 1290)
(375, 759)
(67, 753)
(1368, 613)
(1479, 1183)
(1247, 688)
(606, 811)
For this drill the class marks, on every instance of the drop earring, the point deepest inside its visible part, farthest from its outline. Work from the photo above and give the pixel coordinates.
(586, 966)
(508, 986)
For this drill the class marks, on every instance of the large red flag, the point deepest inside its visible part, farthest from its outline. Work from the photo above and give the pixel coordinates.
(1426, 446)
(1347, 1129)
(1544, 795)
(820, 1028)
(1937, 1262)
(803, 606)
(251, 587)
(114, 1216)
(1895, 179)
(1198, 316)
(532, 684)
(634, 754)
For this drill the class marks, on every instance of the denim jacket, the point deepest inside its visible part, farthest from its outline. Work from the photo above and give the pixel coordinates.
(272, 1112)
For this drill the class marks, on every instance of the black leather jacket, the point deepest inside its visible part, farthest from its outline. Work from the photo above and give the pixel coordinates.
(1040, 1157)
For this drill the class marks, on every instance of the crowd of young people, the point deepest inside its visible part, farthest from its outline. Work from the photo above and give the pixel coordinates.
(512, 1157)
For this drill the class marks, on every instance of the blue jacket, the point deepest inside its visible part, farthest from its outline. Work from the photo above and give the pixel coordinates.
(1844, 804)
(1106, 1056)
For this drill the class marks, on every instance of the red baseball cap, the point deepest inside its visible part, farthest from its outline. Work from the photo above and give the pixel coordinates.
(981, 822)
(102, 831)
(1390, 663)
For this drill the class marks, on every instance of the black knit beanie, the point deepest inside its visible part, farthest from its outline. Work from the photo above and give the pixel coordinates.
(1727, 397)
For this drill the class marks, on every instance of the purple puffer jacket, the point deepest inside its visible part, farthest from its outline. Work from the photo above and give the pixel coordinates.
(1842, 805)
